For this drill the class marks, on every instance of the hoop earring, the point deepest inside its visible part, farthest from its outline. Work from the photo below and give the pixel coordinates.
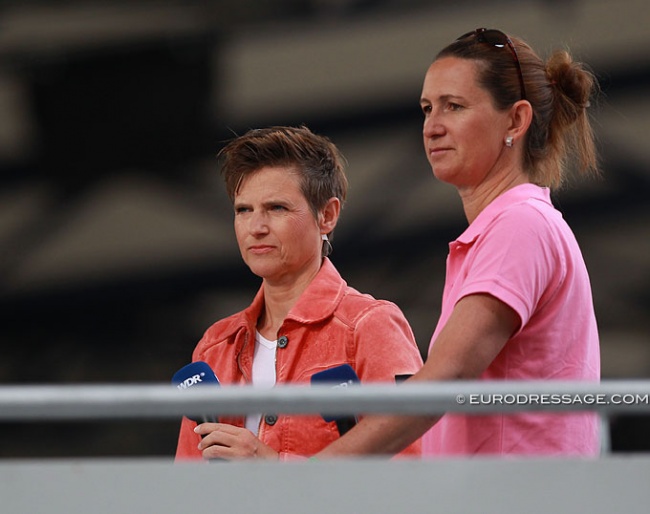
(509, 141)
(327, 246)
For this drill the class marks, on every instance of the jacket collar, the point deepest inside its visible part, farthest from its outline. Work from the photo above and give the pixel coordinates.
(315, 304)
(518, 194)
(321, 297)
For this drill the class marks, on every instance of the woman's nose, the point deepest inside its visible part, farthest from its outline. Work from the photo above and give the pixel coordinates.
(258, 222)
(432, 126)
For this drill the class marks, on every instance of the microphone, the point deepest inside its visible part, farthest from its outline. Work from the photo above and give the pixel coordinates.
(196, 374)
(339, 376)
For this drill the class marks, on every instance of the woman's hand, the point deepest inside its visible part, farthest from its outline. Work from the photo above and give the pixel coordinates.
(222, 441)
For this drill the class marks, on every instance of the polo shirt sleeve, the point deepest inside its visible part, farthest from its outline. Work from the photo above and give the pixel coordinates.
(516, 259)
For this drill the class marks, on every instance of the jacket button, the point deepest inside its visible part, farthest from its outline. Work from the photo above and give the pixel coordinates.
(271, 419)
(283, 341)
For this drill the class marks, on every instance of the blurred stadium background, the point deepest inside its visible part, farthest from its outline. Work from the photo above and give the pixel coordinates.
(117, 249)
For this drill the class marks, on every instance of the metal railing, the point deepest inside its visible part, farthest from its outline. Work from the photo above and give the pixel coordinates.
(486, 485)
(88, 402)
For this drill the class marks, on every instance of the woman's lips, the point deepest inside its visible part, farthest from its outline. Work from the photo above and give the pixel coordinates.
(435, 152)
(260, 249)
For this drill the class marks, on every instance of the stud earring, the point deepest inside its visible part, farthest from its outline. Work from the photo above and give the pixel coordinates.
(509, 141)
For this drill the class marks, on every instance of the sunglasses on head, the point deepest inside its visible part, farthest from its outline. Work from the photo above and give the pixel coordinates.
(498, 39)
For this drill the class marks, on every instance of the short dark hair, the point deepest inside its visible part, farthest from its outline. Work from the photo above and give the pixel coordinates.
(315, 158)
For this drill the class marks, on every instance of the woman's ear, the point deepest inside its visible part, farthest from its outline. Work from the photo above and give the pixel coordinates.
(521, 116)
(329, 215)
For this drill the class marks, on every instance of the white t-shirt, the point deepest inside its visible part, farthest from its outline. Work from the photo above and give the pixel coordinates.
(263, 373)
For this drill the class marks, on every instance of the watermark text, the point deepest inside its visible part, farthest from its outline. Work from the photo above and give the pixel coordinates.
(553, 399)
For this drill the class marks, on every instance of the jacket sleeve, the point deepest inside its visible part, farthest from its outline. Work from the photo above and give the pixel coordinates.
(384, 344)
(385, 349)
(188, 441)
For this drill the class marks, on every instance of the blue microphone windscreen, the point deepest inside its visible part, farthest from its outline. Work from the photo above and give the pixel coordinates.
(194, 374)
(339, 376)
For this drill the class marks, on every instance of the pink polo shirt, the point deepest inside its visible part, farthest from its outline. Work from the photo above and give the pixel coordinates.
(521, 251)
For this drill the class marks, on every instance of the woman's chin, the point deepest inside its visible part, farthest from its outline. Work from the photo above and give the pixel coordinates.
(262, 267)
(442, 175)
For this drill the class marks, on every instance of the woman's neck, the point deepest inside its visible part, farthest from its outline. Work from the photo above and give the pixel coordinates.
(279, 299)
(477, 198)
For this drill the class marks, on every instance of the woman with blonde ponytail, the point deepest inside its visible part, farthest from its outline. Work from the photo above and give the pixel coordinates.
(502, 126)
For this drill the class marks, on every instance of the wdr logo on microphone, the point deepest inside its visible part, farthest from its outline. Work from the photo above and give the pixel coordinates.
(190, 381)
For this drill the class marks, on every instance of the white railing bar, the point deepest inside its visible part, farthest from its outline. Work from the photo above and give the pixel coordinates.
(87, 402)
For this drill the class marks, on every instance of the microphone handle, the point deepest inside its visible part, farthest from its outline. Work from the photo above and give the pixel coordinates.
(345, 424)
(207, 418)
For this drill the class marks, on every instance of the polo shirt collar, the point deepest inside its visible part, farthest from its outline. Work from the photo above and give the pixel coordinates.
(518, 194)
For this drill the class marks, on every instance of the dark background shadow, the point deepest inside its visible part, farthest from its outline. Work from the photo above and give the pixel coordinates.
(117, 246)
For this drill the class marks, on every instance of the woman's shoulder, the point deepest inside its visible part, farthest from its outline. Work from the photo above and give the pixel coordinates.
(222, 331)
(355, 305)
(528, 216)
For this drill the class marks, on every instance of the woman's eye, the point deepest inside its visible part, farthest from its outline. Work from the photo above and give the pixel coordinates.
(454, 107)
(426, 109)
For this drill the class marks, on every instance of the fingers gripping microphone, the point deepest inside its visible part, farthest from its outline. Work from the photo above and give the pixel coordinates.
(340, 376)
(193, 375)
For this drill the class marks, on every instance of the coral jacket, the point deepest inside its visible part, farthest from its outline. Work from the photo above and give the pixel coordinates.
(331, 324)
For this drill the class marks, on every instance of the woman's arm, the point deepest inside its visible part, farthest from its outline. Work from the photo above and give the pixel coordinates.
(477, 330)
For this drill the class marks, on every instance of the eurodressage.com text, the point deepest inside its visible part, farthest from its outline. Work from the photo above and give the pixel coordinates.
(557, 399)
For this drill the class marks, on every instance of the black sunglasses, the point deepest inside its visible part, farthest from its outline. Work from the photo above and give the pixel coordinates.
(497, 38)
